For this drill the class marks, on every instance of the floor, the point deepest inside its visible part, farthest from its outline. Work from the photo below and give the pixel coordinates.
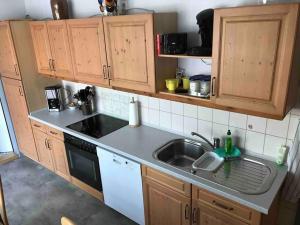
(34, 195)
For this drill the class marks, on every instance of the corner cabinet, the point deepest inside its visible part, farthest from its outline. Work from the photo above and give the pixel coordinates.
(256, 57)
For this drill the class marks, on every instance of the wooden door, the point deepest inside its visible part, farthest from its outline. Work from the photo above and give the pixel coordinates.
(252, 54)
(164, 206)
(42, 49)
(88, 50)
(8, 59)
(130, 51)
(204, 215)
(59, 156)
(60, 49)
(19, 114)
(43, 149)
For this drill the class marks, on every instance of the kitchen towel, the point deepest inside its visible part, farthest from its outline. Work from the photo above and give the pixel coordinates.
(291, 190)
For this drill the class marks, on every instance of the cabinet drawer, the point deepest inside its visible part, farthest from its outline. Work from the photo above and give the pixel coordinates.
(39, 126)
(222, 204)
(168, 181)
(55, 133)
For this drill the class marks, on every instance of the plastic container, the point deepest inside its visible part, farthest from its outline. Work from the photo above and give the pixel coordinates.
(172, 84)
(209, 161)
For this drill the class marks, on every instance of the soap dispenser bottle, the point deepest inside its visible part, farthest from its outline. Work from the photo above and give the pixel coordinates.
(228, 143)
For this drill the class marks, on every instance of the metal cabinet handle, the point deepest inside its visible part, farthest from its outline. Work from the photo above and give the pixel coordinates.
(109, 72)
(50, 64)
(53, 64)
(213, 85)
(36, 126)
(20, 91)
(16, 69)
(194, 216)
(104, 69)
(46, 145)
(116, 161)
(186, 212)
(52, 132)
(220, 205)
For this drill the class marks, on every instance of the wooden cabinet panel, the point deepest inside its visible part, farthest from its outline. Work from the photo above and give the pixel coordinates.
(55, 133)
(39, 126)
(41, 47)
(60, 49)
(252, 56)
(43, 149)
(59, 156)
(18, 111)
(130, 51)
(163, 206)
(8, 59)
(88, 50)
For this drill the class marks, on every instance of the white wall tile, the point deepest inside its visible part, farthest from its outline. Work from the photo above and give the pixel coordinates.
(257, 124)
(144, 101)
(177, 108)
(153, 103)
(277, 127)
(220, 116)
(289, 144)
(165, 120)
(165, 105)
(272, 144)
(205, 113)
(205, 129)
(190, 125)
(238, 137)
(144, 115)
(294, 121)
(220, 131)
(190, 111)
(254, 142)
(238, 120)
(153, 117)
(177, 123)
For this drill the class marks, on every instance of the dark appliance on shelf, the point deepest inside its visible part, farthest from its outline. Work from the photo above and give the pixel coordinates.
(82, 155)
(54, 98)
(174, 43)
(205, 21)
(83, 161)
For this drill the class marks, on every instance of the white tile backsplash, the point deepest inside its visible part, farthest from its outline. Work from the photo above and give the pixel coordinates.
(220, 116)
(190, 111)
(257, 135)
(278, 128)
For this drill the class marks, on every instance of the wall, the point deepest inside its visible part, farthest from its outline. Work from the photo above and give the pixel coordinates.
(12, 9)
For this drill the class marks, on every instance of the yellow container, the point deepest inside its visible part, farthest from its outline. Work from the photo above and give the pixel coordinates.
(172, 84)
(186, 83)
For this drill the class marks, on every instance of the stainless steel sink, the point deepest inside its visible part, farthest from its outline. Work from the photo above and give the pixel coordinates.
(180, 153)
(247, 175)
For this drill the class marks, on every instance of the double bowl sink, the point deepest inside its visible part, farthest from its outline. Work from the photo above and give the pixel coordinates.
(245, 175)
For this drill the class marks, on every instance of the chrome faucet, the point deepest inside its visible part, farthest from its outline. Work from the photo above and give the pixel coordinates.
(216, 140)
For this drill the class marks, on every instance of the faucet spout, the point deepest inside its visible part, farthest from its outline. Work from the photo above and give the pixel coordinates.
(203, 138)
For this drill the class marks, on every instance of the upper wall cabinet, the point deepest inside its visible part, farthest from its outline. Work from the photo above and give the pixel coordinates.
(256, 59)
(8, 59)
(130, 51)
(88, 50)
(52, 50)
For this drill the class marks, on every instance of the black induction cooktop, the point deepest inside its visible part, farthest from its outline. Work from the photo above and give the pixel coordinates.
(98, 126)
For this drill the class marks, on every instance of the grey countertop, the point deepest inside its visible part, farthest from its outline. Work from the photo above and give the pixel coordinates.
(139, 144)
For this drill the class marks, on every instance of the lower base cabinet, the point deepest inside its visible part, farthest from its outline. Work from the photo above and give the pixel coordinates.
(170, 201)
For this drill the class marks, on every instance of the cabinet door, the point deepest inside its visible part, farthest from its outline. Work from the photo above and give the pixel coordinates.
(60, 49)
(8, 59)
(252, 54)
(59, 157)
(130, 51)
(41, 47)
(19, 114)
(163, 206)
(88, 50)
(44, 152)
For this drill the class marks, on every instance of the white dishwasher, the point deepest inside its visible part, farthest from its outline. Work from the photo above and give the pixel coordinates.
(122, 185)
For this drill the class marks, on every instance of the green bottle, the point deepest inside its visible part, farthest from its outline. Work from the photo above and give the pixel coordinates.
(228, 143)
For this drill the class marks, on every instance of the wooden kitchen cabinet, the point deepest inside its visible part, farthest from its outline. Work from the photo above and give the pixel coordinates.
(52, 50)
(8, 59)
(256, 54)
(19, 114)
(88, 50)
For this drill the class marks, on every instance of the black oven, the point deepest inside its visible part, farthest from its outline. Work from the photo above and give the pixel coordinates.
(83, 161)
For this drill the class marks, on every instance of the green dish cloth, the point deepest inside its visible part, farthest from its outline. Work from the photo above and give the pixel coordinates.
(235, 152)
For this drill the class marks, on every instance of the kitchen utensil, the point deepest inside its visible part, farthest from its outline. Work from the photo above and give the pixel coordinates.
(172, 84)
(209, 161)
(186, 83)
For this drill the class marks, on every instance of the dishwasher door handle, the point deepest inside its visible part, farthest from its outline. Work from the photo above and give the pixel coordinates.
(117, 161)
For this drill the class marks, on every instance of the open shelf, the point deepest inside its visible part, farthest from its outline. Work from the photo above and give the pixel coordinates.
(184, 56)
